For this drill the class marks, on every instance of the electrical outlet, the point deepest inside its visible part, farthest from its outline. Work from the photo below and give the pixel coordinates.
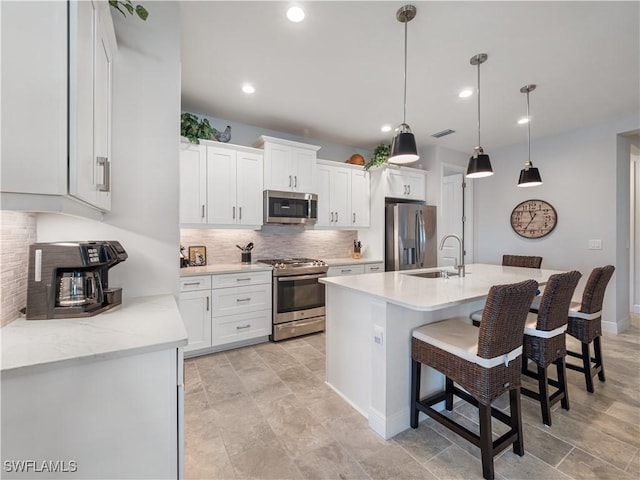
(595, 244)
(378, 335)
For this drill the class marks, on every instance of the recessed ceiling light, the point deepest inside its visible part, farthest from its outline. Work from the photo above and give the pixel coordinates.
(385, 128)
(295, 14)
(523, 120)
(248, 88)
(465, 93)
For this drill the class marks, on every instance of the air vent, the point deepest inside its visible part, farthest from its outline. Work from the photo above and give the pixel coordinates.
(443, 133)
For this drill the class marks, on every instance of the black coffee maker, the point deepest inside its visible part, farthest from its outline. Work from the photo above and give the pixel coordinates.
(71, 279)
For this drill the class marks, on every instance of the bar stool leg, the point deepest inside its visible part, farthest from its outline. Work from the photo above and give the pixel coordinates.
(598, 355)
(486, 441)
(448, 404)
(516, 420)
(586, 362)
(543, 389)
(561, 368)
(415, 392)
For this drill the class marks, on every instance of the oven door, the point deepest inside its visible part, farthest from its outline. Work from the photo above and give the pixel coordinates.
(296, 297)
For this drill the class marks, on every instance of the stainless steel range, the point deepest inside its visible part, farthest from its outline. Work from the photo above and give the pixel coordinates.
(298, 296)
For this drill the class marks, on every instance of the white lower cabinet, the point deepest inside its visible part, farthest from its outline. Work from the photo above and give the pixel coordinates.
(339, 270)
(374, 267)
(225, 309)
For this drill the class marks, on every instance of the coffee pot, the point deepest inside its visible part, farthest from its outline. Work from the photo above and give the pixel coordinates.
(71, 279)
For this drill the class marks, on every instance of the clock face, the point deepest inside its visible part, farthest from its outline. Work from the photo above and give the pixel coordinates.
(533, 219)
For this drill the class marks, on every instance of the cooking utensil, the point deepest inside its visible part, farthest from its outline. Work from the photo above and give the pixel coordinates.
(249, 246)
(240, 247)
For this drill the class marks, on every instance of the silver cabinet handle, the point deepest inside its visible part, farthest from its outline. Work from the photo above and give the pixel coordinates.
(191, 284)
(295, 181)
(345, 271)
(331, 217)
(245, 326)
(202, 211)
(290, 182)
(409, 189)
(336, 217)
(207, 303)
(233, 212)
(354, 217)
(239, 213)
(104, 162)
(248, 279)
(374, 268)
(248, 299)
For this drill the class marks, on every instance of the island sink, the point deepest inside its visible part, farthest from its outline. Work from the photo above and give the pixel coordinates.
(438, 274)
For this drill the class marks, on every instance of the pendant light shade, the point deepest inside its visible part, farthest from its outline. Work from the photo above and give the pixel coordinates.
(529, 175)
(403, 145)
(479, 163)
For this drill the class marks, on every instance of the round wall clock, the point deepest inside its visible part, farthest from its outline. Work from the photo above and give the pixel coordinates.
(533, 218)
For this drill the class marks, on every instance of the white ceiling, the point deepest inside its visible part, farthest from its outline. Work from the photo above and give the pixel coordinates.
(338, 75)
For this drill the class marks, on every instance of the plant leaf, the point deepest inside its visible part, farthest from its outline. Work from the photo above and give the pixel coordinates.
(142, 12)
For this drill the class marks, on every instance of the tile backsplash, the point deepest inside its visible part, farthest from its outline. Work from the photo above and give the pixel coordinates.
(272, 241)
(17, 232)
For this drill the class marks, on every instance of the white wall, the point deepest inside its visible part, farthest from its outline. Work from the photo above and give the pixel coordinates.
(145, 140)
(635, 223)
(580, 174)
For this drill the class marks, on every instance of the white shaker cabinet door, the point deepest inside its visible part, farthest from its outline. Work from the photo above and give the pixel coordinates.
(340, 196)
(249, 197)
(195, 309)
(323, 188)
(303, 169)
(193, 184)
(221, 186)
(360, 210)
(277, 172)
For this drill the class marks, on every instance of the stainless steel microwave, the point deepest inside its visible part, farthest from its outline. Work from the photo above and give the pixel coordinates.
(290, 207)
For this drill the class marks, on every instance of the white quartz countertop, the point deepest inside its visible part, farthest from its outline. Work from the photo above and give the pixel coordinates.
(224, 268)
(429, 294)
(139, 325)
(336, 262)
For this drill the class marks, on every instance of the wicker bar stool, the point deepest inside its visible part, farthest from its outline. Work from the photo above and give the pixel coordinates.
(510, 261)
(544, 342)
(585, 324)
(485, 362)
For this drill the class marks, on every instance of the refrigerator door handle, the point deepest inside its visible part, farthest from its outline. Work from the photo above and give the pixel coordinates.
(420, 238)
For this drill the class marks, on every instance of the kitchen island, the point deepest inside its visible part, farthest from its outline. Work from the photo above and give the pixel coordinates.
(95, 397)
(369, 320)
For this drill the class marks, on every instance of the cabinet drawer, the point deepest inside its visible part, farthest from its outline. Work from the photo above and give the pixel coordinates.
(233, 328)
(241, 279)
(374, 268)
(189, 284)
(231, 301)
(345, 270)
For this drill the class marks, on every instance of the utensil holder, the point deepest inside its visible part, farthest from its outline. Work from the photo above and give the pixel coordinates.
(246, 258)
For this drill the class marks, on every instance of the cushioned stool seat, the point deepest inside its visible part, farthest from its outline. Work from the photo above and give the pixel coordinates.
(484, 362)
(544, 342)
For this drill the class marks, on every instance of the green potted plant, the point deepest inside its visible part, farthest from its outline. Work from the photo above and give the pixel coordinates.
(129, 7)
(193, 128)
(380, 155)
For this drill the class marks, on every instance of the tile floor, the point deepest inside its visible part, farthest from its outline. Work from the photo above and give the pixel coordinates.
(264, 412)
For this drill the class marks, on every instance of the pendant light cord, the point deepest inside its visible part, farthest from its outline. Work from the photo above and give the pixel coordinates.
(528, 133)
(479, 144)
(404, 114)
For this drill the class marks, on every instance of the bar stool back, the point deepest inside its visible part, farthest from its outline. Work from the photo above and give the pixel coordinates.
(544, 342)
(510, 261)
(485, 362)
(585, 324)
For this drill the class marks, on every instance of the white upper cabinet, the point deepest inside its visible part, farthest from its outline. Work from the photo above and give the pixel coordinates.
(343, 195)
(288, 166)
(56, 73)
(220, 184)
(404, 182)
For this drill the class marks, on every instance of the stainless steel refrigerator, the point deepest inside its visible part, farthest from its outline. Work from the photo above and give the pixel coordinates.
(410, 236)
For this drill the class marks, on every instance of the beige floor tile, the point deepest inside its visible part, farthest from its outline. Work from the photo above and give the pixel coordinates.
(453, 463)
(527, 467)
(393, 462)
(634, 466)
(582, 466)
(354, 434)
(241, 436)
(329, 462)
(540, 443)
(210, 361)
(423, 443)
(268, 461)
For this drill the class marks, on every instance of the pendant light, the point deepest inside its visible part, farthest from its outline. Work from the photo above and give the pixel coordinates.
(403, 146)
(479, 163)
(529, 175)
